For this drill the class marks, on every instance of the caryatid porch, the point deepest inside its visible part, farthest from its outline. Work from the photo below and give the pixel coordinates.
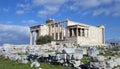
(77, 30)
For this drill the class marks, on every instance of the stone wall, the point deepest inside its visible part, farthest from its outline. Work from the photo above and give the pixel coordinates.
(44, 30)
(94, 37)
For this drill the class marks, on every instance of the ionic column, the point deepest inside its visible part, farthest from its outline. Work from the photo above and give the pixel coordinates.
(39, 31)
(62, 31)
(77, 32)
(81, 32)
(54, 32)
(35, 37)
(50, 30)
(30, 38)
(58, 32)
(72, 32)
(67, 32)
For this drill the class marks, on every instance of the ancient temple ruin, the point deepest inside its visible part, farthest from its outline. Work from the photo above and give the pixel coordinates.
(69, 32)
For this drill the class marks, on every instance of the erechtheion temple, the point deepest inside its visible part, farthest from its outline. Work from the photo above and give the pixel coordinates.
(69, 32)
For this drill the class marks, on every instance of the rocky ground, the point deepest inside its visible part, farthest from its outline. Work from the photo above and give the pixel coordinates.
(76, 57)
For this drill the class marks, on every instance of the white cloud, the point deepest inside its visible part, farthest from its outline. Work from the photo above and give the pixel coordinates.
(85, 13)
(29, 21)
(85, 4)
(4, 9)
(26, 6)
(14, 28)
(20, 12)
(100, 11)
(49, 2)
(49, 7)
(47, 11)
(14, 34)
(97, 7)
(113, 10)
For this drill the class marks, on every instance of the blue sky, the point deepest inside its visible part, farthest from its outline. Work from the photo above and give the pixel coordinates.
(17, 15)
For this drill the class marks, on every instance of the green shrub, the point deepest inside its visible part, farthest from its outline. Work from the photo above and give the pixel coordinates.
(44, 39)
(85, 60)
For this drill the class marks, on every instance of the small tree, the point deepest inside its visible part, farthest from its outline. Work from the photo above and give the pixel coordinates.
(44, 39)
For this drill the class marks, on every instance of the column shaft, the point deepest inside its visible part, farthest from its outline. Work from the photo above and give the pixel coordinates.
(35, 38)
(66, 32)
(81, 32)
(103, 35)
(58, 32)
(72, 32)
(85, 31)
(77, 32)
(30, 38)
(62, 31)
(50, 30)
(54, 32)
